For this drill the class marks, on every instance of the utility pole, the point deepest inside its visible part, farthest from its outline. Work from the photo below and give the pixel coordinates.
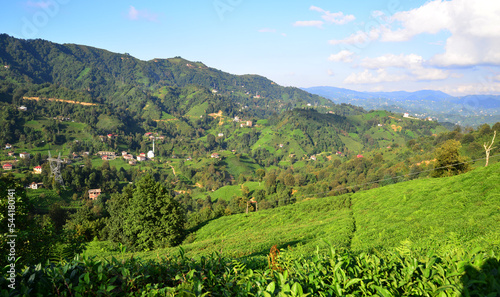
(55, 168)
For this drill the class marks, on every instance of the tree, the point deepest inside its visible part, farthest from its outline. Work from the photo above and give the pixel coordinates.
(154, 219)
(211, 141)
(270, 183)
(489, 148)
(448, 159)
(260, 173)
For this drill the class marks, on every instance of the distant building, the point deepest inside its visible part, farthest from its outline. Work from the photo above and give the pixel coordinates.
(148, 134)
(406, 115)
(236, 119)
(249, 123)
(128, 157)
(110, 136)
(313, 157)
(8, 146)
(94, 193)
(23, 108)
(189, 159)
(380, 125)
(124, 153)
(359, 156)
(141, 157)
(132, 162)
(35, 186)
(105, 153)
(281, 145)
(24, 155)
(38, 169)
(7, 166)
(151, 154)
(220, 134)
(11, 154)
(215, 155)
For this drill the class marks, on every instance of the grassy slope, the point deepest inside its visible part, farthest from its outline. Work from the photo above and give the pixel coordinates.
(461, 210)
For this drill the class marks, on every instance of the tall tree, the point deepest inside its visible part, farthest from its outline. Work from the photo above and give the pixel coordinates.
(154, 219)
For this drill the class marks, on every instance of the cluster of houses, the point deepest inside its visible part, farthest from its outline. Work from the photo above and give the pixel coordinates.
(105, 155)
(242, 123)
(407, 115)
(153, 137)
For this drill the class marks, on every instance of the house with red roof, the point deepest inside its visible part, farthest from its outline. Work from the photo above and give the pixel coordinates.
(38, 169)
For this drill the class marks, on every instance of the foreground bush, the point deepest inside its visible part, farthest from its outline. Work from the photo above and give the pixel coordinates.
(397, 273)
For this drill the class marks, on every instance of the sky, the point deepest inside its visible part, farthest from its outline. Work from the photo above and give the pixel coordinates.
(377, 45)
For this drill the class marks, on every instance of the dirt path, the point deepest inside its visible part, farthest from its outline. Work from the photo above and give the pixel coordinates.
(173, 169)
(61, 100)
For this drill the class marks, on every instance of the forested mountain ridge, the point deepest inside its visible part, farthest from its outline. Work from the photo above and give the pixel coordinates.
(42, 68)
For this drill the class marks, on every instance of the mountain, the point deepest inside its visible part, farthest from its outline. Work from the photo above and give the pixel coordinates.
(39, 68)
(332, 92)
(471, 110)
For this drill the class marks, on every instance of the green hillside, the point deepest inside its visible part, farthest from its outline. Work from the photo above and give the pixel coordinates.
(445, 214)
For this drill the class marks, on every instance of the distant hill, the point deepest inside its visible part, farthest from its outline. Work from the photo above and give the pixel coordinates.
(471, 110)
(88, 74)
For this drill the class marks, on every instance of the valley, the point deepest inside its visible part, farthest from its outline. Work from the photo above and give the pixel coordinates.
(179, 178)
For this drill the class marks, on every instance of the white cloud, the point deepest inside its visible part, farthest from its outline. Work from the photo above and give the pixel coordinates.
(330, 72)
(411, 67)
(391, 60)
(496, 78)
(267, 30)
(334, 17)
(135, 14)
(342, 56)
(468, 89)
(371, 77)
(474, 26)
(359, 37)
(39, 4)
(318, 24)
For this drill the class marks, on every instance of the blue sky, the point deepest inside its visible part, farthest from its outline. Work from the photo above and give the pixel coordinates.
(377, 45)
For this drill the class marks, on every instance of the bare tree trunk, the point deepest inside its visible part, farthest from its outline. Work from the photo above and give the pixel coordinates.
(489, 148)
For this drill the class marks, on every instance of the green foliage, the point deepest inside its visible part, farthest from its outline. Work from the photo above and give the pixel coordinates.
(335, 273)
(36, 238)
(153, 219)
(448, 159)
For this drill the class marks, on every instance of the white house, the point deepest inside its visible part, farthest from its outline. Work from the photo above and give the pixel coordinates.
(94, 193)
(151, 155)
(35, 186)
(24, 155)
